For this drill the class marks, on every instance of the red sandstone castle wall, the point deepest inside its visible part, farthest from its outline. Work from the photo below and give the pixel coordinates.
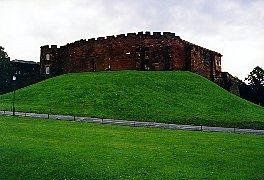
(204, 62)
(131, 52)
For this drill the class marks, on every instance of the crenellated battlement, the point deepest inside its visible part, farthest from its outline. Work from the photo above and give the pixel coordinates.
(47, 47)
(109, 39)
(139, 35)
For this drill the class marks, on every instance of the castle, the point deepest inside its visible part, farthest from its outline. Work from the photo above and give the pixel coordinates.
(132, 51)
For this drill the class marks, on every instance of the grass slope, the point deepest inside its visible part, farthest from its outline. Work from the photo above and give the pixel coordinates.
(47, 149)
(171, 97)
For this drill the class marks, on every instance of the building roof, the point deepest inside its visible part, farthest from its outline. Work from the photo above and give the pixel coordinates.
(24, 62)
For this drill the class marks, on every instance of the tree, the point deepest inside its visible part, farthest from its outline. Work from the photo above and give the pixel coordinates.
(256, 83)
(5, 72)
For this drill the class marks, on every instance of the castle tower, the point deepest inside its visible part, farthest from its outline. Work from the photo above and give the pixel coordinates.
(49, 61)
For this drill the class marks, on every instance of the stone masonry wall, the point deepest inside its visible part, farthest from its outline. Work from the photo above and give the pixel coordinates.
(141, 51)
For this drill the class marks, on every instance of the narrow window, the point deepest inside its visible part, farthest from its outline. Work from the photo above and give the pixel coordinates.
(218, 61)
(47, 57)
(146, 52)
(138, 53)
(47, 70)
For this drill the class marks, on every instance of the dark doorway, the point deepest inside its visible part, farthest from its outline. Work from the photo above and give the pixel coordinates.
(167, 55)
(142, 58)
(92, 64)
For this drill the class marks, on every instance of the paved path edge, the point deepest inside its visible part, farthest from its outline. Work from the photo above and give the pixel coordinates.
(136, 123)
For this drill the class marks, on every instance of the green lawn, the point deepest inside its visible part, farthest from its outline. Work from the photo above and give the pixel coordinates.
(170, 97)
(48, 149)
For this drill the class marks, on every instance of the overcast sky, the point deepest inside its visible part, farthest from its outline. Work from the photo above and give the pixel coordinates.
(235, 28)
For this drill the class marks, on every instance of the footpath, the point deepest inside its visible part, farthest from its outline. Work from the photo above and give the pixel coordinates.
(136, 123)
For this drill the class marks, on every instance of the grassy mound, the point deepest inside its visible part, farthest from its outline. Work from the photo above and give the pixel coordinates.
(47, 149)
(170, 97)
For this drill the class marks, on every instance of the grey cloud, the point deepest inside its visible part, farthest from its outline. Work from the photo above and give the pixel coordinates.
(218, 24)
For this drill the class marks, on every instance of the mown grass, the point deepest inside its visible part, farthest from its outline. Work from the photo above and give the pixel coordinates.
(48, 149)
(170, 97)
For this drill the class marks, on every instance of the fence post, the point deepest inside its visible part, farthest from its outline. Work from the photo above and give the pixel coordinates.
(14, 111)
(74, 118)
(201, 127)
(134, 123)
(49, 113)
(234, 130)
